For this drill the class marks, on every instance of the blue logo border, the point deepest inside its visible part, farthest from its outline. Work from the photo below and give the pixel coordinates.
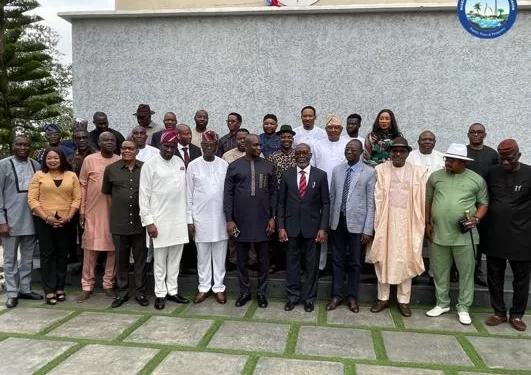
(491, 34)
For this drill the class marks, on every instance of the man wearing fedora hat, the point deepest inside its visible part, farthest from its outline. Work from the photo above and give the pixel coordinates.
(399, 198)
(456, 201)
(143, 117)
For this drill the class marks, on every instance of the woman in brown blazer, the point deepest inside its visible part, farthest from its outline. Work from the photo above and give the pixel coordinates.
(54, 197)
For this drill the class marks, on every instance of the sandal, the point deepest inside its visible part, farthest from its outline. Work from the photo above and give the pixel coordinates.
(61, 297)
(51, 300)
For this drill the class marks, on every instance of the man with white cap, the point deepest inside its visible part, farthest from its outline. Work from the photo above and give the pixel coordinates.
(327, 154)
(205, 179)
(456, 201)
(162, 201)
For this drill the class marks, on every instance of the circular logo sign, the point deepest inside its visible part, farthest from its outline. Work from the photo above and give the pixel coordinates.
(487, 19)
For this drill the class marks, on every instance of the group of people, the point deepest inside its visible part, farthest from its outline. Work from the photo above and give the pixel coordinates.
(280, 199)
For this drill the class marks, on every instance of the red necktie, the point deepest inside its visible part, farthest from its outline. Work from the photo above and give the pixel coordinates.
(186, 156)
(302, 184)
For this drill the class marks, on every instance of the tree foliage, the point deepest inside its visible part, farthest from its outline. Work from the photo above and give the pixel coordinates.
(34, 84)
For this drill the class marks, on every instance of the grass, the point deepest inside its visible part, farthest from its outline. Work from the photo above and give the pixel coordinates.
(253, 356)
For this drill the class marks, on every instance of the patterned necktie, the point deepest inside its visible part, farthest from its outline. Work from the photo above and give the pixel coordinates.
(302, 184)
(346, 187)
(186, 156)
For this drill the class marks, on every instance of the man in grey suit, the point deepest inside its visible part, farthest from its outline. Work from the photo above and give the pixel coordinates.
(351, 222)
(303, 210)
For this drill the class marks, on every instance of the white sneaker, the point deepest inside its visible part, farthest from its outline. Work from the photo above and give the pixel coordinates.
(437, 311)
(464, 318)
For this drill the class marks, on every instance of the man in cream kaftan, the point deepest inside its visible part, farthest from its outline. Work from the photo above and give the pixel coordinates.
(162, 199)
(399, 226)
(205, 179)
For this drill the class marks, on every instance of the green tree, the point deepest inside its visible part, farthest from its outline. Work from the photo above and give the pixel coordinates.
(501, 12)
(477, 8)
(29, 92)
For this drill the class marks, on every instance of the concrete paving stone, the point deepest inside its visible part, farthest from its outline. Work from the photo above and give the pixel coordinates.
(100, 301)
(30, 320)
(105, 359)
(275, 311)
(335, 342)
(268, 337)
(194, 363)
(386, 370)
(173, 331)
(503, 353)
(279, 366)
(445, 322)
(424, 347)
(211, 307)
(95, 325)
(502, 329)
(36, 354)
(96, 301)
(342, 315)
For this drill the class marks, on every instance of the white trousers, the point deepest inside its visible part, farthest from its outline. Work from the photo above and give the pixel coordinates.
(324, 253)
(167, 261)
(403, 291)
(211, 263)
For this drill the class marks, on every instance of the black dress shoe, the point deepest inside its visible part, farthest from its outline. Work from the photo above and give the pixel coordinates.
(242, 300)
(142, 300)
(119, 301)
(262, 301)
(31, 295)
(308, 306)
(159, 303)
(11, 302)
(177, 299)
(289, 306)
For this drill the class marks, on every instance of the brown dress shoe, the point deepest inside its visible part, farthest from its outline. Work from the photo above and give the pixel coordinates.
(200, 297)
(109, 292)
(85, 295)
(380, 306)
(353, 306)
(221, 298)
(333, 304)
(518, 324)
(495, 320)
(404, 309)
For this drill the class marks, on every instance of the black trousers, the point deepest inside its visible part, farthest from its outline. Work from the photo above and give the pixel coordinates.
(124, 244)
(346, 259)
(54, 244)
(189, 259)
(262, 251)
(305, 253)
(495, 278)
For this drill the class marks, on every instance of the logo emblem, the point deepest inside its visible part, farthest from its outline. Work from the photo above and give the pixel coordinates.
(487, 19)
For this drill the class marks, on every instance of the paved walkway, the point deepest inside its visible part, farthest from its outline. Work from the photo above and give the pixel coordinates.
(209, 338)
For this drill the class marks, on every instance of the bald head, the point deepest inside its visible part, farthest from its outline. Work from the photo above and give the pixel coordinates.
(139, 136)
(426, 142)
(185, 134)
(170, 120)
(252, 146)
(476, 135)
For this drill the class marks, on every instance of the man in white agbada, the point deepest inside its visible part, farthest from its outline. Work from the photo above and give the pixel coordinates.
(327, 154)
(308, 133)
(426, 156)
(162, 198)
(145, 151)
(205, 179)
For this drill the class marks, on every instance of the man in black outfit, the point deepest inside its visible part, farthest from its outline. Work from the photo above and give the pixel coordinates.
(508, 231)
(303, 210)
(484, 158)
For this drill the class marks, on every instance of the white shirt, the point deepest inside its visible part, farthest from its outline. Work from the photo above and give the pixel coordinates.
(308, 136)
(349, 138)
(327, 155)
(205, 181)
(432, 162)
(162, 199)
(306, 174)
(147, 153)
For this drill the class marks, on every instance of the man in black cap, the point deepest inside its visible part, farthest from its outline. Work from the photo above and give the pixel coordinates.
(52, 134)
(143, 117)
(396, 251)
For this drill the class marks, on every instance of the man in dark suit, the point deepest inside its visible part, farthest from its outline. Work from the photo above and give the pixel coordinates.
(185, 149)
(303, 210)
(170, 122)
(187, 152)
